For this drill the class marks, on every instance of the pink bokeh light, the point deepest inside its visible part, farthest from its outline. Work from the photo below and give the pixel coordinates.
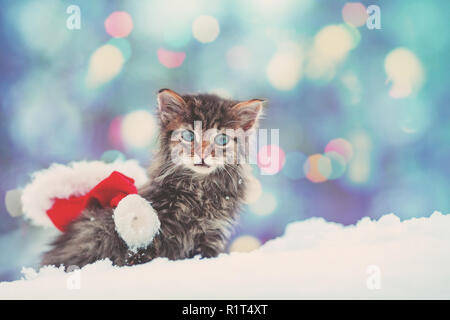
(271, 159)
(171, 59)
(355, 14)
(114, 133)
(119, 24)
(341, 146)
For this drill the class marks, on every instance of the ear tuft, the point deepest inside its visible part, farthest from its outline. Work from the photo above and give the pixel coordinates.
(248, 112)
(170, 105)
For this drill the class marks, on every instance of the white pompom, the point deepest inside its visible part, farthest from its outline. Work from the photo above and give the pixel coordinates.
(136, 221)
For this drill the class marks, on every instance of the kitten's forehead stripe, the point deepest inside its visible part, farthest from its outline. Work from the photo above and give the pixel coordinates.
(213, 111)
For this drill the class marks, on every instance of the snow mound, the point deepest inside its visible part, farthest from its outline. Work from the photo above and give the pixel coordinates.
(384, 259)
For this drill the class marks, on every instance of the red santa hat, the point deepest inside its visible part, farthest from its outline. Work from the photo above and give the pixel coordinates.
(57, 195)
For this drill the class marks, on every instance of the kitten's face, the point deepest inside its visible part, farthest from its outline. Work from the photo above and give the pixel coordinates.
(205, 132)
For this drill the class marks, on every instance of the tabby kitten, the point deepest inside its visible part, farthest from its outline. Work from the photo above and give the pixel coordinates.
(197, 183)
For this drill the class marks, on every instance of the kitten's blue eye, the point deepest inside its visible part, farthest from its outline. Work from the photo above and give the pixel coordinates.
(187, 135)
(221, 139)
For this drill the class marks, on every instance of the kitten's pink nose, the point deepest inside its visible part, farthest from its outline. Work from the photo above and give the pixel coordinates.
(202, 152)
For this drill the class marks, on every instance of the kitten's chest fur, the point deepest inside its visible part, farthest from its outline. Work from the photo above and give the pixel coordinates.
(196, 214)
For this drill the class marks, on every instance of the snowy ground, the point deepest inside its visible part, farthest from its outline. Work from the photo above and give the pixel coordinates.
(313, 259)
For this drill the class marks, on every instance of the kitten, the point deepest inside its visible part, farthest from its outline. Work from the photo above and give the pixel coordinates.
(196, 187)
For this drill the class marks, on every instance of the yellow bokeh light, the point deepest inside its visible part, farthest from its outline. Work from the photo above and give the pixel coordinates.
(138, 129)
(105, 64)
(253, 191)
(285, 67)
(405, 71)
(245, 244)
(333, 42)
(205, 29)
(359, 169)
(331, 45)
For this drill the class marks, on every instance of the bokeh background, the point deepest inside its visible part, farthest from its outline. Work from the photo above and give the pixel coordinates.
(363, 115)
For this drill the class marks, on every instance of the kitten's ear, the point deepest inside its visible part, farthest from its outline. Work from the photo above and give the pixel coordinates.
(248, 112)
(170, 105)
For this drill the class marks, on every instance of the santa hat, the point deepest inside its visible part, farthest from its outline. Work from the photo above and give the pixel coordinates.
(57, 195)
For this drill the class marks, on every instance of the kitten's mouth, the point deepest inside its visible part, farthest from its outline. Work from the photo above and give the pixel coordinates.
(203, 165)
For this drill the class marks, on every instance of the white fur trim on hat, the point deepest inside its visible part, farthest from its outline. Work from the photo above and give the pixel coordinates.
(74, 179)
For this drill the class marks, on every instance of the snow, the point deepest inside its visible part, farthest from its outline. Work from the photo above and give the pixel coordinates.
(384, 259)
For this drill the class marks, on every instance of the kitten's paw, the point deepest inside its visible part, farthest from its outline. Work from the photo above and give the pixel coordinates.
(136, 221)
